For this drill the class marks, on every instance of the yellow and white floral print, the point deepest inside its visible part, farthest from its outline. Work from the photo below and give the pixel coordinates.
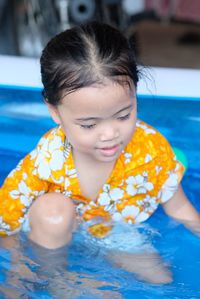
(24, 193)
(170, 186)
(145, 175)
(49, 159)
(147, 129)
(109, 195)
(148, 206)
(138, 184)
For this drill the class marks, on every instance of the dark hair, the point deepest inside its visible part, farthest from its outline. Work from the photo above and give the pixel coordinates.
(83, 56)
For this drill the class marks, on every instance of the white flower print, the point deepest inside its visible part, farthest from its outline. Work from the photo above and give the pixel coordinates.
(147, 158)
(128, 157)
(169, 188)
(24, 176)
(138, 184)
(149, 205)
(34, 153)
(24, 221)
(92, 204)
(67, 193)
(17, 168)
(110, 196)
(104, 199)
(116, 193)
(177, 167)
(50, 158)
(72, 173)
(21, 220)
(4, 226)
(148, 130)
(117, 216)
(142, 217)
(67, 183)
(106, 187)
(130, 211)
(25, 194)
(67, 148)
(60, 180)
(158, 169)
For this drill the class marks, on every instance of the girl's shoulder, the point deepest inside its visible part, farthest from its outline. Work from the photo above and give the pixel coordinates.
(146, 144)
(48, 157)
(51, 141)
(53, 133)
(149, 138)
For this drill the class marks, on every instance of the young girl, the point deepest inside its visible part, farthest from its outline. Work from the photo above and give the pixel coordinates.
(100, 166)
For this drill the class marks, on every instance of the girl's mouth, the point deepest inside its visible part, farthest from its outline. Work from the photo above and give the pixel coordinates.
(109, 151)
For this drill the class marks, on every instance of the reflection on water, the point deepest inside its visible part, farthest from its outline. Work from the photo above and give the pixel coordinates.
(79, 271)
(31, 271)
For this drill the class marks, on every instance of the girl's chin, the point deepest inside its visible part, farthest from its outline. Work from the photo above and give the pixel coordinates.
(108, 158)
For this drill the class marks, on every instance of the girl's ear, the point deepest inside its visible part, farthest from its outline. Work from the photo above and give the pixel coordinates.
(54, 113)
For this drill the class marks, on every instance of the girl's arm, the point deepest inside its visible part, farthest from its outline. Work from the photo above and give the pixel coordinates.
(39, 172)
(180, 208)
(18, 191)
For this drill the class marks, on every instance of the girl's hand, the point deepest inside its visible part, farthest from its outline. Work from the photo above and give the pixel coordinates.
(193, 226)
(180, 208)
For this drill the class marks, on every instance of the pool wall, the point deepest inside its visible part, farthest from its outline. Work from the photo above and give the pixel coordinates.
(170, 83)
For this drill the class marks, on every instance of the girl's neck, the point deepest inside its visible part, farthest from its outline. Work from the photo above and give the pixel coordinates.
(92, 174)
(86, 160)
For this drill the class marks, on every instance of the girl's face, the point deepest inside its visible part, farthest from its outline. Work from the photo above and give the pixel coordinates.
(98, 120)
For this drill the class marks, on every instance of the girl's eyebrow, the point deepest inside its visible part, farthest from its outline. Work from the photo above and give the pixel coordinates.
(123, 109)
(97, 118)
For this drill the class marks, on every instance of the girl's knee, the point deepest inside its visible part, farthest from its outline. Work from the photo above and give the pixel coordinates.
(52, 220)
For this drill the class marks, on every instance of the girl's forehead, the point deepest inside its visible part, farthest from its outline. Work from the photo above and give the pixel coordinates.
(99, 98)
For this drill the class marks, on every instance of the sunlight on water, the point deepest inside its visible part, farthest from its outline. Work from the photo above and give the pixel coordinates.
(31, 109)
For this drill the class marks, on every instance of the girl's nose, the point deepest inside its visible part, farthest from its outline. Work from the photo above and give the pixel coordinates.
(109, 133)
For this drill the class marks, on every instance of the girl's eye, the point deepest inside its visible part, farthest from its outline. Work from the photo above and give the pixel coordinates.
(88, 126)
(124, 117)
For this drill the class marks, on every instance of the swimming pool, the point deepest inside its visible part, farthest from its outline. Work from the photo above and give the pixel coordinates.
(25, 273)
(170, 101)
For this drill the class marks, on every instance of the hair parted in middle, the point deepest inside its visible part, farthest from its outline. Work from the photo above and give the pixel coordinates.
(84, 56)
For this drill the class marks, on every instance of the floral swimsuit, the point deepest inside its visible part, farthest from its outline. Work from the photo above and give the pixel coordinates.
(146, 174)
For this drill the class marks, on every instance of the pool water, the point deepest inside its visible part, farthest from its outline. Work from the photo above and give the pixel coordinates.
(27, 271)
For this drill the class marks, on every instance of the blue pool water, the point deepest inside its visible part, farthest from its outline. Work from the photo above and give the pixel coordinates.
(27, 271)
